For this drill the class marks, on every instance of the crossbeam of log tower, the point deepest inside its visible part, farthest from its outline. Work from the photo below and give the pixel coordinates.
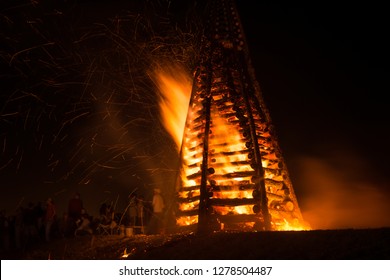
(220, 177)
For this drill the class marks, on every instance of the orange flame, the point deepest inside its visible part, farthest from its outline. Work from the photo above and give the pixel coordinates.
(175, 85)
(228, 155)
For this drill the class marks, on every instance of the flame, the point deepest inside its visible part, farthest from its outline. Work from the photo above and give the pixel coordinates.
(228, 147)
(228, 156)
(228, 134)
(295, 225)
(230, 182)
(188, 220)
(175, 85)
(125, 254)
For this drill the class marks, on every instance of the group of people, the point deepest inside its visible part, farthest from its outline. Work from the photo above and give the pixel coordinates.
(42, 222)
(139, 213)
(29, 224)
(75, 219)
(39, 222)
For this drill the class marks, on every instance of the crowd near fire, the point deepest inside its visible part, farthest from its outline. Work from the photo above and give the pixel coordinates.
(231, 174)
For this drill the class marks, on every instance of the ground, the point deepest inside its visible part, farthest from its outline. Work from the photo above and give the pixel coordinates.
(343, 244)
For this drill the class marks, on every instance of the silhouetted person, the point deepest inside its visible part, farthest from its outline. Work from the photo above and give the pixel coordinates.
(132, 210)
(103, 209)
(4, 231)
(29, 221)
(39, 213)
(50, 216)
(84, 223)
(156, 221)
(105, 214)
(63, 224)
(141, 212)
(75, 207)
(19, 229)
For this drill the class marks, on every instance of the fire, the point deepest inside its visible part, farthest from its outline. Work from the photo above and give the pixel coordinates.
(175, 86)
(230, 179)
(125, 254)
(295, 225)
(228, 134)
(232, 172)
(186, 221)
(228, 148)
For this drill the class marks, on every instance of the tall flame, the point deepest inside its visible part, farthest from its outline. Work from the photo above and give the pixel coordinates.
(174, 84)
(229, 156)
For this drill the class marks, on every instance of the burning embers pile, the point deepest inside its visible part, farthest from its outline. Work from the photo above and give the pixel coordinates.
(232, 173)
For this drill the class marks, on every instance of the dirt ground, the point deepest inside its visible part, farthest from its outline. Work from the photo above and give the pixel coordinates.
(345, 244)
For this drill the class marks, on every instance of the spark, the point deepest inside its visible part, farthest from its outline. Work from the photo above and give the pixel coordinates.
(84, 101)
(28, 49)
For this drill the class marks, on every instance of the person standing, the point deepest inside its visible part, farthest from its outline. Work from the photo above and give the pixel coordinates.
(50, 216)
(104, 215)
(30, 230)
(39, 214)
(132, 210)
(141, 213)
(157, 218)
(75, 207)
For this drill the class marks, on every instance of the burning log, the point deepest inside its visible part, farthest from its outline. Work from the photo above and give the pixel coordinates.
(233, 201)
(232, 173)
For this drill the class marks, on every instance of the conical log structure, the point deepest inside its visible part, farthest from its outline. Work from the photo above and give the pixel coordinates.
(232, 173)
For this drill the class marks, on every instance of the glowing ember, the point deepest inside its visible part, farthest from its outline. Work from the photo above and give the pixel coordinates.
(125, 254)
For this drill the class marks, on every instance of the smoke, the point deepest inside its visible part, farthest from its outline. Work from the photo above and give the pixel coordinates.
(341, 191)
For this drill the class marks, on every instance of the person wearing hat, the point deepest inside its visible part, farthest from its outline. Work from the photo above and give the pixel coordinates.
(158, 205)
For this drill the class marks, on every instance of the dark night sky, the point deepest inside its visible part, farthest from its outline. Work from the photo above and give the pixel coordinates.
(324, 75)
(323, 71)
